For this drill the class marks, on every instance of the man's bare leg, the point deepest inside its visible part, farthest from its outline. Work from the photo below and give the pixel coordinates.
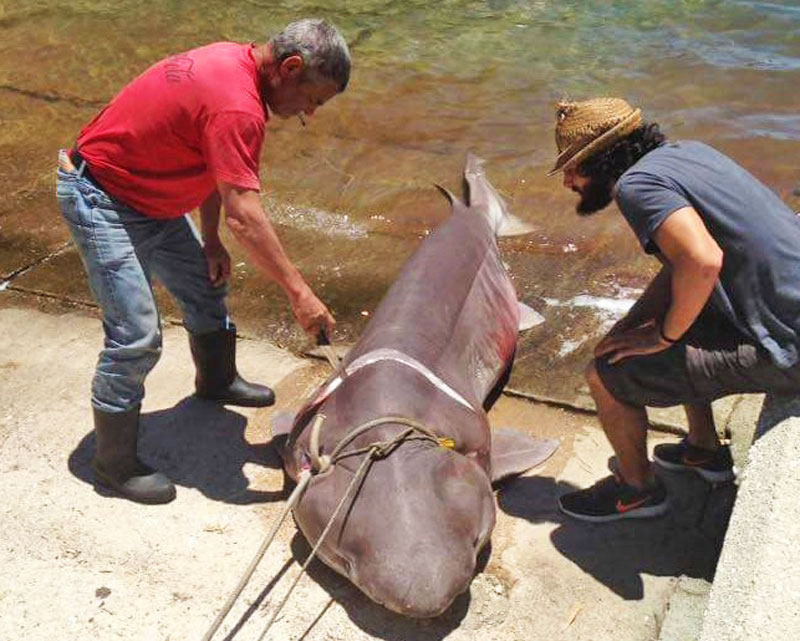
(704, 454)
(702, 430)
(626, 429)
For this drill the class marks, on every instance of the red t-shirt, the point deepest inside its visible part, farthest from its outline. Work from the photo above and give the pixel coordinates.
(187, 122)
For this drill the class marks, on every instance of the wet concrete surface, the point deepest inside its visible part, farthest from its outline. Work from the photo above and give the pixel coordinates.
(351, 263)
(162, 572)
(351, 197)
(545, 575)
(352, 194)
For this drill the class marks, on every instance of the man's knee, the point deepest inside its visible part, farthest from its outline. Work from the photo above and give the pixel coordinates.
(600, 392)
(121, 369)
(133, 352)
(147, 357)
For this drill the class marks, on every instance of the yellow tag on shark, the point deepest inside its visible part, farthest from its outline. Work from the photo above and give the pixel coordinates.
(447, 442)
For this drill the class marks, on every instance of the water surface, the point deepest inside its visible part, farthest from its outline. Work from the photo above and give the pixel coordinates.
(352, 193)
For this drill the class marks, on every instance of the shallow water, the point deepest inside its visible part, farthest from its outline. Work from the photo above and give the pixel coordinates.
(352, 192)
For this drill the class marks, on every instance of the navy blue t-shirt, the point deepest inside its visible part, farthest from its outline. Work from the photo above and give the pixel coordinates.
(759, 286)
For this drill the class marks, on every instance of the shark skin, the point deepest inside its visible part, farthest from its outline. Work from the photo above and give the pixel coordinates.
(437, 350)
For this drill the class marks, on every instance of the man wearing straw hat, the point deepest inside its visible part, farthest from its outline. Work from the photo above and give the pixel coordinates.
(721, 317)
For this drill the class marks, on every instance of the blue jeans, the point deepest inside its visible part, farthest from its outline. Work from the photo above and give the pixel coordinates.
(122, 250)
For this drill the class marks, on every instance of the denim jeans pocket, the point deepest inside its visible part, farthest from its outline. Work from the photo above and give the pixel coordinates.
(95, 197)
(81, 204)
(68, 198)
(66, 176)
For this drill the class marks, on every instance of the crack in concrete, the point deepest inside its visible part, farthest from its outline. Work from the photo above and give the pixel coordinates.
(656, 425)
(29, 291)
(52, 97)
(6, 283)
(726, 432)
(42, 294)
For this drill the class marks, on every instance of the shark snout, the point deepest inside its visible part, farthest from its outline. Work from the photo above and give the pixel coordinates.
(421, 553)
(422, 586)
(410, 537)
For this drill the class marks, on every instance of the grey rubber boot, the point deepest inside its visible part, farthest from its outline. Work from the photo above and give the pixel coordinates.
(116, 465)
(217, 380)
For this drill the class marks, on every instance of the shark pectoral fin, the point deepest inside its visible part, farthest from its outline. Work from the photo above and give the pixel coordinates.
(513, 226)
(282, 424)
(514, 452)
(528, 317)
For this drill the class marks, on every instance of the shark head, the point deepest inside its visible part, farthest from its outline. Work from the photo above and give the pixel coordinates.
(410, 537)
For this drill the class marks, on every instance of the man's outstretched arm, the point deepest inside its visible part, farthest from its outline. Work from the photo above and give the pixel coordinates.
(251, 226)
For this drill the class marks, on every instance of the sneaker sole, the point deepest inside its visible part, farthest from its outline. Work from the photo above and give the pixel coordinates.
(711, 476)
(649, 512)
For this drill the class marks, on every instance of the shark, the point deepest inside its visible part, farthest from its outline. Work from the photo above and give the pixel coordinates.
(420, 380)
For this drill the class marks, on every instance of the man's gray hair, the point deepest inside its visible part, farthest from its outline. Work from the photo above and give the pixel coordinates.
(323, 49)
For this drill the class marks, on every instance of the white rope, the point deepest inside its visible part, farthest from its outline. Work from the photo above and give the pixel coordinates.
(387, 354)
(321, 463)
(303, 481)
(360, 473)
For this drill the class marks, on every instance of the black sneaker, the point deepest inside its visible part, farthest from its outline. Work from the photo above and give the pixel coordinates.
(715, 466)
(611, 500)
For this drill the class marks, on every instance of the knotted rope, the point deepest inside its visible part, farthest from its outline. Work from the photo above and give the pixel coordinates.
(321, 464)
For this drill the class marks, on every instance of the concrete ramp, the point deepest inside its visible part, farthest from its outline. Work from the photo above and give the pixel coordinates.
(756, 591)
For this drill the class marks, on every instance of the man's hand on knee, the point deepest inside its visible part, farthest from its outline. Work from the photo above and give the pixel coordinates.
(645, 339)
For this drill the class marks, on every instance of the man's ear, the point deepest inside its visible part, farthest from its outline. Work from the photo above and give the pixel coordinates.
(291, 67)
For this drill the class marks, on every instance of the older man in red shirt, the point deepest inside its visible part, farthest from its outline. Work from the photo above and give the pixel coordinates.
(186, 133)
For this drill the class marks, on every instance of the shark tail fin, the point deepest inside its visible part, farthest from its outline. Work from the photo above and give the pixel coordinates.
(479, 192)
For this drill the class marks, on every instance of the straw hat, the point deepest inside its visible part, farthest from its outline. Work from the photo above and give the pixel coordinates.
(585, 128)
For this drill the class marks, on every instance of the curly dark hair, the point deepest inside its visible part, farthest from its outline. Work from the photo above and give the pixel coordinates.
(611, 163)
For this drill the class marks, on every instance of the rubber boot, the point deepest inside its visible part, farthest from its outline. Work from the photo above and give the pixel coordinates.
(115, 462)
(217, 380)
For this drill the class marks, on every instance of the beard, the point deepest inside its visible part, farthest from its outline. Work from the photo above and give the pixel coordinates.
(596, 196)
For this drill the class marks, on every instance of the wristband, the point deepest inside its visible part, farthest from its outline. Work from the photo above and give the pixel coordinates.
(666, 338)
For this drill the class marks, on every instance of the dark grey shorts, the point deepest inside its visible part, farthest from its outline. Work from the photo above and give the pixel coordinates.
(712, 360)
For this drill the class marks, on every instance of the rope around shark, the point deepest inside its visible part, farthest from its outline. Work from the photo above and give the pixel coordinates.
(321, 463)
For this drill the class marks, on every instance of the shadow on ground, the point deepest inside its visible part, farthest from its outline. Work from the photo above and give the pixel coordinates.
(197, 444)
(687, 541)
(372, 618)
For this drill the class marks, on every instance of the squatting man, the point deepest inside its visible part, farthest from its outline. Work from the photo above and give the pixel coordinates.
(720, 318)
